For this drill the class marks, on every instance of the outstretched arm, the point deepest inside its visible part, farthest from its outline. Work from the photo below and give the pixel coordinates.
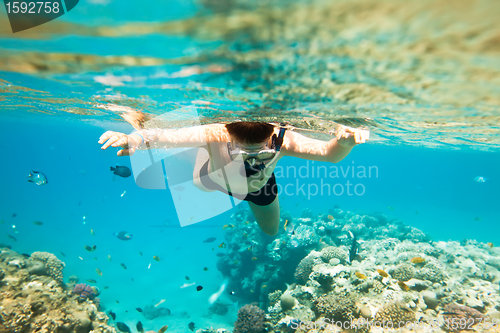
(334, 151)
(196, 136)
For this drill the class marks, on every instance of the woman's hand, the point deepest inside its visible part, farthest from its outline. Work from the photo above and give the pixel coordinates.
(129, 143)
(348, 137)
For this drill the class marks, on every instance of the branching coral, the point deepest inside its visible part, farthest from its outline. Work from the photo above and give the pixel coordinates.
(395, 315)
(251, 319)
(336, 307)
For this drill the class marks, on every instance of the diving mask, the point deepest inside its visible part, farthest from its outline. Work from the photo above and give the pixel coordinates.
(257, 159)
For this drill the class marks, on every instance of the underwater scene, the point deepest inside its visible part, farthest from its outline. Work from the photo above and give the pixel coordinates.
(139, 140)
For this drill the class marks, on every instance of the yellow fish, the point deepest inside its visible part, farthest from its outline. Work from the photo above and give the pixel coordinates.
(254, 258)
(286, 223)
(247, 222)
(490, 244)
(225, 227)
(156, 258)
(163, 329)
(98, 271)
(228, 226)
(222, 245)
(330, 218)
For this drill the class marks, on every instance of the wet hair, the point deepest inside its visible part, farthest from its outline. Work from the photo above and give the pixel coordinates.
(250, 131)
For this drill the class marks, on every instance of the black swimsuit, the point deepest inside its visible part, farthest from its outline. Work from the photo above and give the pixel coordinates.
(263, 197)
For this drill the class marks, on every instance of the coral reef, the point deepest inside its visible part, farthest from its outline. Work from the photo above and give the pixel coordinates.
(33, 299)
(336, 307)
(251, 319)
(403, 272)
(307, 283)
(44, 263)
(395, 315)
(84, 291)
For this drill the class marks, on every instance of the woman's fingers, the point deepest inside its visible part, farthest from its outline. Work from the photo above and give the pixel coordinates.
(126, 152)
(114, 139)
(106, 136)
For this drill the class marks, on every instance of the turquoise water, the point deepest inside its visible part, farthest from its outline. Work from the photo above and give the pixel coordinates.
(51, 121)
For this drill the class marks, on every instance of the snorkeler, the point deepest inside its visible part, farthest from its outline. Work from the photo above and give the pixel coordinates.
(239, 158)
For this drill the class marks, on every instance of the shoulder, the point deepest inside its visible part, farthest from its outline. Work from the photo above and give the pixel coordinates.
(216, 132)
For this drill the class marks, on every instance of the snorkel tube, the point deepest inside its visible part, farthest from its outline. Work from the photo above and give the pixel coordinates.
(277, 142)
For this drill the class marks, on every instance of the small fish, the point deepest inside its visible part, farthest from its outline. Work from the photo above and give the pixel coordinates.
(477, 219)
(209, 240)
(187, 278)
(121, 195)
(480, 179)
(163, 329)
(14, 215)
(191, 326)
(286, 223)
(149, 266)
(490, 244)
(37, 223)
(92, 232)
(232, 293)
(37, 178)
(117, 301)
(105, 287)
(112, 314)
(199, 288)
(220, 254)
(185, 285)
(123, 235)
(330, 217)
(12, 237)
(382, 273)
(98, 271)
(88, 248)
(140, 253)
(264, 286)
(353, 251)
(417, 260)
(94, 248)
(289, 227)
(245, 234)
(139, 327)
(230, 226)
(254, 258)
(138, 309)
(403, 286)
(80, 258)
(62, 253)
(159, 303)
(360, 276)
(156, 258)
(247, 222)
(109, 257)
(390, 208)
(122, 327)
(121, 171)
(222, 245)
(451, 314)
(123, 265)
(91, 281)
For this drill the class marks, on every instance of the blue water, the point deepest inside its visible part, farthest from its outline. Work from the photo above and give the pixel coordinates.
(432, 189)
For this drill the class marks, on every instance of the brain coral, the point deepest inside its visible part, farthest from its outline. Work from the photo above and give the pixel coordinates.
(331, 252)
(304, 268)
(53, 266)
(251, 319)
(335, 307)
(403, 272)
(395, 314)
